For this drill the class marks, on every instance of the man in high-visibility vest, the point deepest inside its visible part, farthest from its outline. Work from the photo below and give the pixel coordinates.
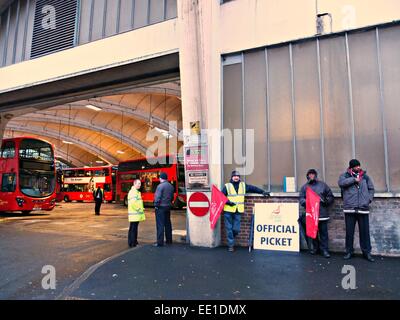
(236, 190)
(135, 212)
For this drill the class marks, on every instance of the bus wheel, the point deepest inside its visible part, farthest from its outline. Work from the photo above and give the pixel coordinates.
(66, 199)
(26, 211)
(126, 201)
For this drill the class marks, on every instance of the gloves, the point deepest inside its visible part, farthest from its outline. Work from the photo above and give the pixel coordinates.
(323, 202)
(266, 194)
(230, 203)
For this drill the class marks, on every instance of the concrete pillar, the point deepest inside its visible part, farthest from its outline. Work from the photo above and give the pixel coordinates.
(200, 78)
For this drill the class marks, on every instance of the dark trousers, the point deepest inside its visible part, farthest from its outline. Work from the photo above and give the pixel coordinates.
(97, 207)
(322, 240)
(132, 234)
(164, 226)
(363, 227)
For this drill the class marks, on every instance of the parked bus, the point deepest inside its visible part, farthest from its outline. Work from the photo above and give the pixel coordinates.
(27, 175)
(78, 184)
(149, 175)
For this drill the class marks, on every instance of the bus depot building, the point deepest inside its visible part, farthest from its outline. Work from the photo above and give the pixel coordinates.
(271, 88)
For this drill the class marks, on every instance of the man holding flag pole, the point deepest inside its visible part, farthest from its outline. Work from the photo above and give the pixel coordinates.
(235, 190)
(315, 197)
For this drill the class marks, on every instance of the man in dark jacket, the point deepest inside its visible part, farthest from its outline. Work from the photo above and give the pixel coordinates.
(358, 192)
(163, 202)
(326, 196)
(235, 190)
(98, 196)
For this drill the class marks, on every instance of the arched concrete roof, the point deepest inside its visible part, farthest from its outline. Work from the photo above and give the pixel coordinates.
(115, 132)
(101, 153)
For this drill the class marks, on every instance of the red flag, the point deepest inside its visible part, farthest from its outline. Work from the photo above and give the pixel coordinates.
(218, 201)
(312, 213)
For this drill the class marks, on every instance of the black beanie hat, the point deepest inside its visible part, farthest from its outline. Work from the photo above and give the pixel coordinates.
(164, 176)
(312, 171)
(235, 173)
(354, 163)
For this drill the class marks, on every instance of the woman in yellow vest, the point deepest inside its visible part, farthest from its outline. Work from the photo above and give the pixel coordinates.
(236, 190)
(135, 212)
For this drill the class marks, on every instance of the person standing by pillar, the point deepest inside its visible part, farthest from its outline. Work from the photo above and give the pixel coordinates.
(163, 203)
(135, 212)
(236, 190)
(326, 199)
(98, 196)
(358, 192)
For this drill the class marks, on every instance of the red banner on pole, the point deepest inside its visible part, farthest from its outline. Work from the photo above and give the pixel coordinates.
(218, 200)
(312, 213)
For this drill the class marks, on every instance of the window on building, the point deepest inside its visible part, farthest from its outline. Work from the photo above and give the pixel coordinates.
(54, 26)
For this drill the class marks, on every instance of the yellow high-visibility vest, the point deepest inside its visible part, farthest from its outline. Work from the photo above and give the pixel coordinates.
(135, 206)
(236, 197)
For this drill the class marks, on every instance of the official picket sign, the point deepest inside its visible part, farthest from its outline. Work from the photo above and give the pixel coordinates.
(276, 226)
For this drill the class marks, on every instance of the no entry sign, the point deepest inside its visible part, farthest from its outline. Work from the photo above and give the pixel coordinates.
(199, 204)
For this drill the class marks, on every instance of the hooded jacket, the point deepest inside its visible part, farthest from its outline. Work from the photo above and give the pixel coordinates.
(356, 196)
(324, 192)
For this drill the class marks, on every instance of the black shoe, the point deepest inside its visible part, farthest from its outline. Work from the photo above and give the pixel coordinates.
(313, 252)
(326, 254)
(231, 249)
(368, 257)
(157, 245)
(347, 256)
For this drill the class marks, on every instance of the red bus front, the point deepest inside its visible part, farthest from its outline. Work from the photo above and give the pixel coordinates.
(78, 184)
(27, 175)
(148, 171)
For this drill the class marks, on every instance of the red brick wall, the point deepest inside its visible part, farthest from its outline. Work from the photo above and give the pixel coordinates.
(384, 225)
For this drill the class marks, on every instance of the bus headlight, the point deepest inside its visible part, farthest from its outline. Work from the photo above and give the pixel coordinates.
(20, 201)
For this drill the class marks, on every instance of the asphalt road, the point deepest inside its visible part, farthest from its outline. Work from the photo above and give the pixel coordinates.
(70, 238)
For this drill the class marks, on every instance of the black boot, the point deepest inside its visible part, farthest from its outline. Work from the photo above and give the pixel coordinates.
(326, 254)
(348, 256)
(368, 257)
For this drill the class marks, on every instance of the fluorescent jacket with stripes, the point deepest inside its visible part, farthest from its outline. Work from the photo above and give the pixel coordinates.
(236, 197)
(135, 206)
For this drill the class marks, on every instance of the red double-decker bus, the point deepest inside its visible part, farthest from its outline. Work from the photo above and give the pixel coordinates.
(27, 175)
(148, 171)
(78, 184)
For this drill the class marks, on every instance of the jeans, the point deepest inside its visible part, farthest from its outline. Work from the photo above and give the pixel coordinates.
(164, 226)
(232, 226)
